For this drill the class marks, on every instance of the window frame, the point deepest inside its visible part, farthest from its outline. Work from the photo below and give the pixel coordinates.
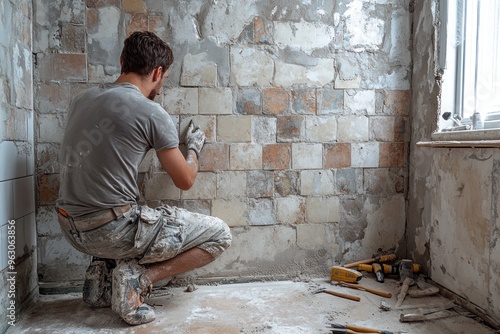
(451, 55)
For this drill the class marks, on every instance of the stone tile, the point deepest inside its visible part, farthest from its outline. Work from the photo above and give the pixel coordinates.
(215, 101)
(248, 101)
(383, 181)
(136, 22)
(304, 101)
(261, 212)
(330, 101)
(51, 127)
(62, 67)
(245, 156)
(200, 206)
(159, 186)
(337, 155)
(233, 211)
(349, 181)
(214, 157)
(392, 154)
(317, 182)
(234, 129)
(133, 6)
(251, 67)
(397, 102)
(198, 71)
(303, 35)
(180, 100)
(382, 128)
(291, 128)
(231, 184)
(275, 101)
(360, 102)
(276, 156)
(260, 184)
(286, 182)
(365, 155)
(321, 129)
(264, 130)
(48, 189)
(323, 209)
(73, 38)
(262, 31)
(353, 128)
(205, 187)
(307, 156)
(288, 75)
(290, 210)
(52, 97)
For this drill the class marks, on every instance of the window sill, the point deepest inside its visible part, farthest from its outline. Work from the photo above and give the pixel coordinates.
(469, 138)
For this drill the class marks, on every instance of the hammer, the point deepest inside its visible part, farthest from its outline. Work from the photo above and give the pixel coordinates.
(406, 276)
(338, 294)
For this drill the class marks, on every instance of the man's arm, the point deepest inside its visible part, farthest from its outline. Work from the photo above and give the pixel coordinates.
(182, 170)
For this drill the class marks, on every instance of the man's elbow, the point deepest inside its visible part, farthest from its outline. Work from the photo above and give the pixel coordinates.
(184, 184)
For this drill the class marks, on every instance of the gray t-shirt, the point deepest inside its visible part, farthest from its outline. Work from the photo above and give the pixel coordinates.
(110, 129)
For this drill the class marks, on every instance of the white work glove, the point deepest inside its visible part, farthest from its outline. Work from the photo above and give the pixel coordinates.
(195, 138)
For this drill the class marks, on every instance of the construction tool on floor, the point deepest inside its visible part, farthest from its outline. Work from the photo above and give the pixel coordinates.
(337, 294)
(363, 288)
(379, 272)
(424, 314)
(359, 329)
(425, 289)
(389, 269)
(348, 331)
(406, 277)
(345, 275)
(339, 273)
(381, 258)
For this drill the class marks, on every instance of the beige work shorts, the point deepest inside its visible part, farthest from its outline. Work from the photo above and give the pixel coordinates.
(152, 235)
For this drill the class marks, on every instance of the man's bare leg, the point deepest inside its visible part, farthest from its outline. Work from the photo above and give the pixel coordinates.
(189, 260)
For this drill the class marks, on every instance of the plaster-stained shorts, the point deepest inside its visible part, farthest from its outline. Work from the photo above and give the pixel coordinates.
(154, 235)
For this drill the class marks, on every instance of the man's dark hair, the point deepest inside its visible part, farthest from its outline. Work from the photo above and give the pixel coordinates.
(143, 51)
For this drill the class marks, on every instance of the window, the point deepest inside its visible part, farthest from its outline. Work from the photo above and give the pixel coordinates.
(473, 54)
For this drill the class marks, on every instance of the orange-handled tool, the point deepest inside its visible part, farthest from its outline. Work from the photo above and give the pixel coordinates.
(338, 294)
(365, 288)
(381, 258)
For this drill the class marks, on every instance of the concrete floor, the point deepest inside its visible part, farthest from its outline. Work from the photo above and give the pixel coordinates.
(271, 307)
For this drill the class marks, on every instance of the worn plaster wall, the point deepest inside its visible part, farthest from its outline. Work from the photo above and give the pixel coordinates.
(306, 109)
(454, 198)
(18, 280)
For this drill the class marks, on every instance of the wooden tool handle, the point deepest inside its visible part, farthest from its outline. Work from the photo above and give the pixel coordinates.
(362, 287)
(343, 295)
(360, 329)
(382, 258)
(355, 264)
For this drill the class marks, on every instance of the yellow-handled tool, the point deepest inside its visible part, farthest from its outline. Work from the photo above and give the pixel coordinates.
(381, 258)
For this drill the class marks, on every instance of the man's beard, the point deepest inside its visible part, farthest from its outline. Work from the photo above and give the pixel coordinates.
(155, 91)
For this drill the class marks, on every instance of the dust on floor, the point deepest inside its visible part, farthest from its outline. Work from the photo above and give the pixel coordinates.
(283, 307)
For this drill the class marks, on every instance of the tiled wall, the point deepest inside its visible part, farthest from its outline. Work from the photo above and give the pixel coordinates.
(305, 106)
(17, 183)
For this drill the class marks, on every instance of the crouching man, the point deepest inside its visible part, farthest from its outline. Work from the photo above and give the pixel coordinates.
(110, 129)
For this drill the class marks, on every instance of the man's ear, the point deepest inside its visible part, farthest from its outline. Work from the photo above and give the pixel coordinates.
(157, 73)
